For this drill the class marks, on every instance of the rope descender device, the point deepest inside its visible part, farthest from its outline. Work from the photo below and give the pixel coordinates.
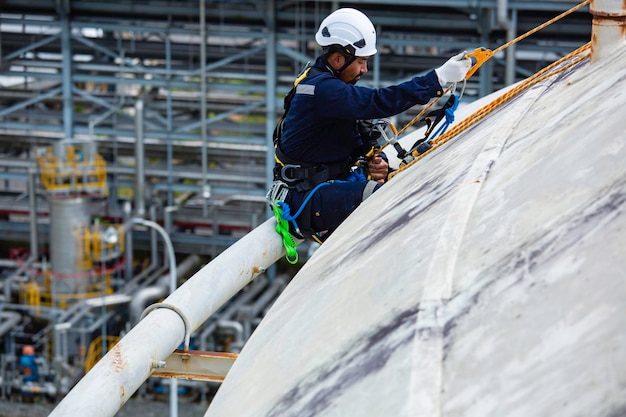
(480, 56)
(387, 135)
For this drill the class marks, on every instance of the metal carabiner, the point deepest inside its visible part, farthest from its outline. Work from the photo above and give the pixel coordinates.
(277, 192)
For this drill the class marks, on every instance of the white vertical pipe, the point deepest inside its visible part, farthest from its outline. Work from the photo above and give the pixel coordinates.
(140, 208)
(608, 30)
(511, 33)
(117, 376)
(172, 264)
(270, 96)
(502, 11)
(32, 203)
(66, 46)
(203, 110)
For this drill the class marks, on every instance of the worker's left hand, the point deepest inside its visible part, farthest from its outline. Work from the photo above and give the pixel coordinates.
(454, 70)
(378, 169)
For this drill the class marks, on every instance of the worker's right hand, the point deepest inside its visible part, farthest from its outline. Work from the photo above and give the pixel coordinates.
(378, 169)
(454, 70)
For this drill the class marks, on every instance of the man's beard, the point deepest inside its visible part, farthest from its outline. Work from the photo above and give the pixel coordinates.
(355, 79)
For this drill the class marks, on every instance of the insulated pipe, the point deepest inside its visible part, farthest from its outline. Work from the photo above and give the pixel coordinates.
(128, 242)
(501, 12)
(145, 277)
(233, 308)
(252, 311)
(32, 202)
(511, 33)
(237, 330)
(267, 297)
(140, 207)
(154, 247)
(270, 96)
(66, 45)
(173, 276)
(117, 376)
(608, 30)
(142, 297)
(203, 110)
(47, 388)
(9, 281)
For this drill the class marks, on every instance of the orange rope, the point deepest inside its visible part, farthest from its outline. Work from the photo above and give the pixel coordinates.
(424, 110)
(506, 45)
(484, 111)
(538, 28)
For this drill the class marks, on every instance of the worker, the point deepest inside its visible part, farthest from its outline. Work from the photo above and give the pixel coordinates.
(28, 364)
(318, 139)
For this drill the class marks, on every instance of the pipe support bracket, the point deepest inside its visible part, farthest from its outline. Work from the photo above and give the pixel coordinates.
(175, 310)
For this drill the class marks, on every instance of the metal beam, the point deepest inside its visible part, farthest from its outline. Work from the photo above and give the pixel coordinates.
(196, 365)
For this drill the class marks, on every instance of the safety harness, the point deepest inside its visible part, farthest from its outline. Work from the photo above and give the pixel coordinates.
(290, 174)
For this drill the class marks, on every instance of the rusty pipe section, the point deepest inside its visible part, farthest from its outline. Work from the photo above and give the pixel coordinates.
(116, 377)
(608, 31)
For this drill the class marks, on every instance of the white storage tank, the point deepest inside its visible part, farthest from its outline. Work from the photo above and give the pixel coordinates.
(67, 218)
(489, 279)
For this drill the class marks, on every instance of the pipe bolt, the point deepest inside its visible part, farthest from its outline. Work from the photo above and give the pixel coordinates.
(159, 364)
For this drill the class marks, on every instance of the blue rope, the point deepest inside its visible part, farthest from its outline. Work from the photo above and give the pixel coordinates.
(286, 210)
(449, 118)
(354, 176)
(357, 175)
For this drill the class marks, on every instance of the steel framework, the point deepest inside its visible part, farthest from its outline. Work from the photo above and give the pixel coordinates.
(212, 75)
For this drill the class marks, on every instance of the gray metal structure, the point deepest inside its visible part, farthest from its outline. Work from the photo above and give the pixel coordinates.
(211, 76)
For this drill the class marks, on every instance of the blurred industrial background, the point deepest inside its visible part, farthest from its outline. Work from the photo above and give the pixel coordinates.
(127, 126)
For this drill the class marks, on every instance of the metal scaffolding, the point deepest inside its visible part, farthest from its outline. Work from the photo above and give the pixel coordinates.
(211, 76)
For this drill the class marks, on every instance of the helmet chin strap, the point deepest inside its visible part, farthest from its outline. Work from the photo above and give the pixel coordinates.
(349, 59)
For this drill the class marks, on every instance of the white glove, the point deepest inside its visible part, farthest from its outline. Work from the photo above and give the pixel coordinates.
(454, 70)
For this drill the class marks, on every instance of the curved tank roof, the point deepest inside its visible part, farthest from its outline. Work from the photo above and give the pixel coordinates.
(488, 279)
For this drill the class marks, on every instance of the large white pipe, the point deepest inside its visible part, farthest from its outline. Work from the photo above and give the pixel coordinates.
(116, 377)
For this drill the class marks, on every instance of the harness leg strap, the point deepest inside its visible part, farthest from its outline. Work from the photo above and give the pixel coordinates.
(369, 189)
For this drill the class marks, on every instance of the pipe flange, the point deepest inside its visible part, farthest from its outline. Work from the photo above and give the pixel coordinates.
(175, 310)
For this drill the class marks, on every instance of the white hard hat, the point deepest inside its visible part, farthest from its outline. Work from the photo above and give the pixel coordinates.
(349, 28)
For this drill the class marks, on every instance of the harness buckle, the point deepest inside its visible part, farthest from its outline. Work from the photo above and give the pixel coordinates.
(290, 169)
(277, 192)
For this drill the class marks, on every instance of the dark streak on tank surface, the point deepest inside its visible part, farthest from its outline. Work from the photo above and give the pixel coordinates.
(367, 355)
(517, 266)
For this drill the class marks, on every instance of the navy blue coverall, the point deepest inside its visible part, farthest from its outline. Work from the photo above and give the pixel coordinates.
(320, 127)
